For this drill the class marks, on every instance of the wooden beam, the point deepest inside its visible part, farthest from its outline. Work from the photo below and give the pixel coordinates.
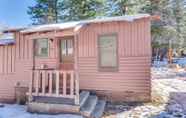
(76, 69)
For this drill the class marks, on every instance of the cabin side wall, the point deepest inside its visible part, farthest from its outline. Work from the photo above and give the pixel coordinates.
(15, 66)
(132, 81)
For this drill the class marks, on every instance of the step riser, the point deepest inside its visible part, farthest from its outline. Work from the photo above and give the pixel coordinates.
(45, 108)
(83, 97)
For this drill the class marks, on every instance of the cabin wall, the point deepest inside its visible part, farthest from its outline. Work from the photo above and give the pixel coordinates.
(132, 81)
(15, 66)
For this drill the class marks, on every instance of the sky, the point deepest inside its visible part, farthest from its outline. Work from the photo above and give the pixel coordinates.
(13, 13)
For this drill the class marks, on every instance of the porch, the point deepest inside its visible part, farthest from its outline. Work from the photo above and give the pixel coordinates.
(54, 83)
(57, 91)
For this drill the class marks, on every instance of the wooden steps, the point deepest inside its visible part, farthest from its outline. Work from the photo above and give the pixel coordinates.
(99, 109)
(90, 106)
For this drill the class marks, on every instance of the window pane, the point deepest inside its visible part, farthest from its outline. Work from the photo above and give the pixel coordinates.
(108, 56)
(70, 47)
(64, 47)
(41, 47)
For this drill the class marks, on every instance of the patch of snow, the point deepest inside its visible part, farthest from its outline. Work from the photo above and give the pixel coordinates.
(160, 63)
(7, 36)
(181, 61)
(17, 111)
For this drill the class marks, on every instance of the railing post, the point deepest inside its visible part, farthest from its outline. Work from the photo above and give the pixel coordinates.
(50, 82)
(57, 83)
(72, 83)
(37, 82)
(77, 89)
(64, 82)
(43, 82)
(30, 87)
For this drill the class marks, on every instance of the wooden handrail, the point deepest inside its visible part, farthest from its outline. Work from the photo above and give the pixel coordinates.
(54, 83)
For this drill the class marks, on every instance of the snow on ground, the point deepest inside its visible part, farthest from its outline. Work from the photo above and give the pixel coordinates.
(17, 111)
(168, 97)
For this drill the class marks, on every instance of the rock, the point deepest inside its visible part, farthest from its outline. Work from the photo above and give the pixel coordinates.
(178, 115)
(163, 115)
(1, 105)
(174, 108)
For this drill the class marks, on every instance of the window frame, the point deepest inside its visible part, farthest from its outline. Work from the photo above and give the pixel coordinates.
(107, 68)
(35, 51)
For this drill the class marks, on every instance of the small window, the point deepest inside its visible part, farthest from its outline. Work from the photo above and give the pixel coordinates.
(108, 52)
(41, 47)
(66, 46)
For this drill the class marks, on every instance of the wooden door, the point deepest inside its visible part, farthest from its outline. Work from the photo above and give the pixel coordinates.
(66, 47)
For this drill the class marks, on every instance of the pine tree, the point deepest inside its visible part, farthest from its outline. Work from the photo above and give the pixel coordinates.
(80, 9)
(45, 11)
(53, 11)
(179, 12)
(120, 7)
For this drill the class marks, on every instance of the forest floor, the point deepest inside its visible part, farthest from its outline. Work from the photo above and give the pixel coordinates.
(168, 101)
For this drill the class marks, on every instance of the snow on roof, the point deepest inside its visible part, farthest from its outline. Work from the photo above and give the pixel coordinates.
(7, 39)
(67, 25)
(4, 42)
(49, 27)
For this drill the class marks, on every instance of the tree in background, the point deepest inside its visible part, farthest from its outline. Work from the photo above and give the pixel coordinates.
(45, 11)
(179, 12)
(120, 7)
(80, 9)
(53, 11)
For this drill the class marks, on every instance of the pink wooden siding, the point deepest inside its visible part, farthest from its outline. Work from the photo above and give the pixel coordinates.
(134, 58)
(15, 66)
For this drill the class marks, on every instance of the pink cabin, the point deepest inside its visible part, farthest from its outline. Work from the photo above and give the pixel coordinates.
(108, 57)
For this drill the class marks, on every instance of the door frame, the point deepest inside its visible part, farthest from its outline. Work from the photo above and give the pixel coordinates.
(59, 51)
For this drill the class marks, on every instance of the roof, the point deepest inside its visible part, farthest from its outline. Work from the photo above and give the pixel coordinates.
(7, 39)
(75, 24)
(9, 30)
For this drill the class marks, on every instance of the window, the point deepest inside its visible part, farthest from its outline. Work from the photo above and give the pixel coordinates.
(41, 47)
(66, 46)
(108, 52)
